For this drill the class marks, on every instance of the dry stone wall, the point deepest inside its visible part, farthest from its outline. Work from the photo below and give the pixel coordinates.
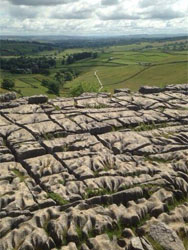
(95, 172)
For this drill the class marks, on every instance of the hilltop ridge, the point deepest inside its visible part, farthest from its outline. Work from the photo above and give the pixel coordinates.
(99, 171)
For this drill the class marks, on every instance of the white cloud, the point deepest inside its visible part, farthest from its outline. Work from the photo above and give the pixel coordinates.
(77, 11)
(109, 2)
(165, 14)
(148, 3)
(40, 2)
(85, 17)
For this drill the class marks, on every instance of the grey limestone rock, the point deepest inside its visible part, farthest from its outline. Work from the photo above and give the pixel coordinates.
(37, 99)
(95, 172)
(166, 237)
(150, 90)
(7, 97)
(124, 90)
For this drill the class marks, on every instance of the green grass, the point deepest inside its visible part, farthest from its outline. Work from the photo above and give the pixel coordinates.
(155, 245)
(48, 136)
(176, 202)
(183, 237)
(160, 76)
(97, 106)
(185, 242)
(96, 192)
(57, 198)
(65, 148)
(20, 175)
(128, 66)
(64, 242)
(146, 56)
(145, 127)
(27, 84)
(136, 74)
(116, 231)
(62, 182)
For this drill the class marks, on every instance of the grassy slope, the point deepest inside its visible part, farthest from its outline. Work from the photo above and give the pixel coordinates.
(27, 84)
(157, 76)
(115, 73)
(117, 67)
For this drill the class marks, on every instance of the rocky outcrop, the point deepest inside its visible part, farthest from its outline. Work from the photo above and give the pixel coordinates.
(150, 90)
(7, 97)
(98, 171)
(166, 237)
(38, 99)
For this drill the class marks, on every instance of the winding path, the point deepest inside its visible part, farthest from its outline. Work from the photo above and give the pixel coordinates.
(98, 79)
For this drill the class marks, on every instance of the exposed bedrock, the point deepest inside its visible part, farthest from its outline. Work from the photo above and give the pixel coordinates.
(96, 172)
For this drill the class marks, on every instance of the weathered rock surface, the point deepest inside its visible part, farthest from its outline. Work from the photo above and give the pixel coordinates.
(98, 171)
(7, 97)
(166, 237)
(37, 99)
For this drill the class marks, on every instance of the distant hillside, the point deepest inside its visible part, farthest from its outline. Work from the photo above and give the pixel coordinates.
(19, 48)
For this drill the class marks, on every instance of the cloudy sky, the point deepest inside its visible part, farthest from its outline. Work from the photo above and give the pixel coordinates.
(93, 17)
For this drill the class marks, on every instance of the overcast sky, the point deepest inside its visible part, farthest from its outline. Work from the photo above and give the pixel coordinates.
(93, 17)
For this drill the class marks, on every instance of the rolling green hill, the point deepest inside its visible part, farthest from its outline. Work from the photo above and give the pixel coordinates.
(156, 63)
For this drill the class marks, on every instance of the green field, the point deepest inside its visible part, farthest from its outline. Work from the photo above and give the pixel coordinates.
(28, 84)
(127, 66)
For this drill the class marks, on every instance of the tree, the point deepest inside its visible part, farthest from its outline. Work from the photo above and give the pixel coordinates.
(7, 84)
(54, 88)
(68, 76)
(45, 72)
(45, 83)
(59, 77)
(76, 90)
(94, 55)
(83, 87)
(70, 59)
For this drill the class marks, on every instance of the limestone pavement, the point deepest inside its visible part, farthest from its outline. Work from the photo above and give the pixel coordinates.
(99, 171)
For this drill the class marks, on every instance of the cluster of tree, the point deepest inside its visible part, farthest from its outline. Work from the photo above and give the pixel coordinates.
(79, 56)
(7, 84)
(17, 48)
(83, 87)
(60, 78)
(99, 42)
(66, 75)
(20, 48)
(53, 86)
(178, 46)
(25, 65)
